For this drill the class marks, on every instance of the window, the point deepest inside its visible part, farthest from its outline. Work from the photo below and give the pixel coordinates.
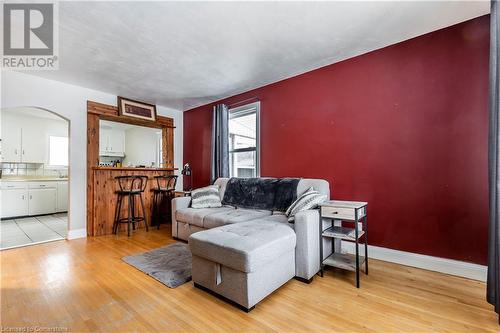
(58, 151)
(244, 141)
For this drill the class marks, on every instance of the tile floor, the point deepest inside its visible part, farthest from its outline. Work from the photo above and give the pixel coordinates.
(32, 230)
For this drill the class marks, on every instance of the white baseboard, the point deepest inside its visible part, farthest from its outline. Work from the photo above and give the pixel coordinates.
(442, 265)
(77, 233)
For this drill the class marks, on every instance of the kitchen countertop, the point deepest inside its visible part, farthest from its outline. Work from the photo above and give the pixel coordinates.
(32, 179)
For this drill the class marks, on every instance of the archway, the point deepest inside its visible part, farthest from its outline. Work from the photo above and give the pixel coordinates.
(34, 187)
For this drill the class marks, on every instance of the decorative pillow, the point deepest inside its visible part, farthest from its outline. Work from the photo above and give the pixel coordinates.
(206, 197)
(309, 200)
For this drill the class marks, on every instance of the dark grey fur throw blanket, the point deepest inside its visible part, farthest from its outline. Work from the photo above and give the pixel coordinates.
(261, 193)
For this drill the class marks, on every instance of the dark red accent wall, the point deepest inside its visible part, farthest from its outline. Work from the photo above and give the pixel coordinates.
(404, 128)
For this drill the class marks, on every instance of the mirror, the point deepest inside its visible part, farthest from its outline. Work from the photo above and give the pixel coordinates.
(125, 145)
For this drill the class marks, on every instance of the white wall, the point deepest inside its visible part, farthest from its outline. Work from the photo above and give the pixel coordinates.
(70, 101)
(178, 117)
(141, 145)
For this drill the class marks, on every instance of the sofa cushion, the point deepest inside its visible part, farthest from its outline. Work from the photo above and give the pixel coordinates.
(233, 216)
(244, 246)
(196, 216)
(222, 183)
(282, 218)
(309, 200)
(206, 197)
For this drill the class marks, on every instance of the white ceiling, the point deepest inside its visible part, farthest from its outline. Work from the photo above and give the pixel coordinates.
(185, 54)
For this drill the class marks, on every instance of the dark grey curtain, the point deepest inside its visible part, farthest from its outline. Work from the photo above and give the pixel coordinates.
(493, 288)
(220, 143)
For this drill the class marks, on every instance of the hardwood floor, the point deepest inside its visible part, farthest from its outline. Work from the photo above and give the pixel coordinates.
(83, 285)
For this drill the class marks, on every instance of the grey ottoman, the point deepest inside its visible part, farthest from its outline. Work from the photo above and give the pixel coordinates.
(243, 262)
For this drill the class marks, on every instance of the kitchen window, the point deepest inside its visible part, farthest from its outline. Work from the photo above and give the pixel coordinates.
(244, 150)
(58, 151)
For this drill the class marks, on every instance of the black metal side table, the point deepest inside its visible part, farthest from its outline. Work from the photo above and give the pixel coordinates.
(349, 212)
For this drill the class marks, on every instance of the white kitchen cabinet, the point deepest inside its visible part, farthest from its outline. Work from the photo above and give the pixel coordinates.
(11, 142)
(103, 140)
(14, 202)
(116, 141)
(26, 144)
(33, 198)
(111, 142)
(42, 201)
(34, 144)
(62, 197)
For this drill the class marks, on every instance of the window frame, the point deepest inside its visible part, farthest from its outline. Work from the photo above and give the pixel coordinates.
(244, 110)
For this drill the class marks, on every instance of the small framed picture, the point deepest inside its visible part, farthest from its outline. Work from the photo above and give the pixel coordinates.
(136, 109)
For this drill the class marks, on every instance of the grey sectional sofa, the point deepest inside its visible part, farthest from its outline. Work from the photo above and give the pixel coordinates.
(187, 220)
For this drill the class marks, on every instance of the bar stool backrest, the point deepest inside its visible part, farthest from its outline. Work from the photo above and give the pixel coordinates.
(132, 183)
(166, 182)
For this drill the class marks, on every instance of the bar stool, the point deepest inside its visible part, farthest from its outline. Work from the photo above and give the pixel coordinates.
(130, 187)
(164, 190)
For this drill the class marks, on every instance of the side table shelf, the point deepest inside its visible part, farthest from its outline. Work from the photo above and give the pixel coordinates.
(342, 233)
(351, 212)
(343, 260)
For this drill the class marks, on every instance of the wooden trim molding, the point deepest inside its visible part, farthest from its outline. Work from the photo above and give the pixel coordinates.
(92, 160)
(97, 111)
(110, 112)
(101, 109)
(165, 121)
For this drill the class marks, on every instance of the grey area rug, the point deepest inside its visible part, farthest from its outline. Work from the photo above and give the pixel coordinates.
(171, 264)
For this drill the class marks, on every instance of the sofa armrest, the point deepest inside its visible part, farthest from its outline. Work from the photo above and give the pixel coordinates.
(178, 203)
(307, 249)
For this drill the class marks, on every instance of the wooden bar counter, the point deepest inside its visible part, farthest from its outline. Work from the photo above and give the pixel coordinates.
(104, 197)
(101, 182)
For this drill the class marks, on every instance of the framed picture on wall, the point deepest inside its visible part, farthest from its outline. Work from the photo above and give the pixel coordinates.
(135, 109)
